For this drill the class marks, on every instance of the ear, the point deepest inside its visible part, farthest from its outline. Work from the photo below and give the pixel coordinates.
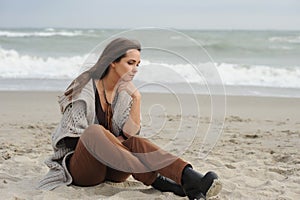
(113, 65)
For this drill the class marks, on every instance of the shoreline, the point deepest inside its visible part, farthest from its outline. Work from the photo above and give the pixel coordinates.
(59, 85)
(24, 103)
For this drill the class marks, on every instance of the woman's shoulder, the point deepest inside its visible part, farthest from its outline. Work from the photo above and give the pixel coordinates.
(87, 95)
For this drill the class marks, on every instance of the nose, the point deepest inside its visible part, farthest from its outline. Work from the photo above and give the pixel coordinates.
(135, 69)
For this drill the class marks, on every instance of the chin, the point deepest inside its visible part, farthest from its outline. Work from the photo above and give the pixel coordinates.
(128, 78)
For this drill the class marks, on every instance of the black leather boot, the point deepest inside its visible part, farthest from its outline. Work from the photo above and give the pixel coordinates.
(164, 184)
(197, 186)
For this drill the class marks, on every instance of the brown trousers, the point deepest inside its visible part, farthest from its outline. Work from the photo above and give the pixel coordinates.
(88, 165)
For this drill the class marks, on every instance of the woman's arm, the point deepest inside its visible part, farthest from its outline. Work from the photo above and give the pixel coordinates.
(132, 125)
(72, 124)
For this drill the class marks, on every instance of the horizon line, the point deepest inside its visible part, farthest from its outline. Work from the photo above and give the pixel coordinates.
(123, 28)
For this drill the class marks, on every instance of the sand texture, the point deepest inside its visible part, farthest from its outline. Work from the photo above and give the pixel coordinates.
(257, 155)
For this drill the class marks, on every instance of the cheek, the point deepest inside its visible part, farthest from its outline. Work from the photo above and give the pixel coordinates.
(123, 74)
(123, 69)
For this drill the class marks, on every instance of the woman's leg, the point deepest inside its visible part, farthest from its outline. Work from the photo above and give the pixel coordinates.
(88, 171)
(116, 175)
(156, 159)
(145, 161)
(137, 156)
(194, 184)
(107, 149)
(84, 168)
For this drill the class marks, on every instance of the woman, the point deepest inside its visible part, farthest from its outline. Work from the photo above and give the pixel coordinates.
(97, 140)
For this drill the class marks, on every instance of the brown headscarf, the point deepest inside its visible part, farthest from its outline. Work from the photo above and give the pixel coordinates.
(115, 49)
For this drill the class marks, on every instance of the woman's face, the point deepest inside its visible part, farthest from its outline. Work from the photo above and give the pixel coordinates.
(126, 68)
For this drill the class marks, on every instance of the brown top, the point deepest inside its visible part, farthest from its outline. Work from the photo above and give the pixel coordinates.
(100, 114)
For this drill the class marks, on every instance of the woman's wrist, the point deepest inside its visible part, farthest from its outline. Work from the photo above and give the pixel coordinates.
(136, 95)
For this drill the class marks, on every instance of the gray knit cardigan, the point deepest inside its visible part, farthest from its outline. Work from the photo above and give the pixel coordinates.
(78, 114)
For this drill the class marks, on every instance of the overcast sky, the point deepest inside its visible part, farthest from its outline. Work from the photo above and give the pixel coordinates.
(188, 14)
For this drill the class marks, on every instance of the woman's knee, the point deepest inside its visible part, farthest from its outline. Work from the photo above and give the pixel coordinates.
(140, 145)
(92, 131)
(133, 141)
(137, 139)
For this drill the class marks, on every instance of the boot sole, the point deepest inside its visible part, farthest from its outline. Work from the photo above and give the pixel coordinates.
(214, 189)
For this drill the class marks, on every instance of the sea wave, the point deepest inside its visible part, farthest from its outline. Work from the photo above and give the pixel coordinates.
(225, 73)
(287, 39)
(45, 33)
(16, 65)
(260, 75)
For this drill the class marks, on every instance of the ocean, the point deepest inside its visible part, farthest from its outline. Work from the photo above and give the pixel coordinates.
(231, 62)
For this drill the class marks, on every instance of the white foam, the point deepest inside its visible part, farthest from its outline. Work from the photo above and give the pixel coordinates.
(49, 29)
(14, 65)
(231, 74)
(288, 39)
(260, 75)
(170, 73)
(47, 33)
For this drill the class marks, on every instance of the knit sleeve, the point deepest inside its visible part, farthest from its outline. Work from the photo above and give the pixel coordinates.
(121, 112)
(72, 124)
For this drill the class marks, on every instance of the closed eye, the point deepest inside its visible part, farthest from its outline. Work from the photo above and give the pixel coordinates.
(132, 62)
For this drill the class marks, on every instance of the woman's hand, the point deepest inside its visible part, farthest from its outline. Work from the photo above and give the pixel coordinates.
(132, 125)
(130, 88)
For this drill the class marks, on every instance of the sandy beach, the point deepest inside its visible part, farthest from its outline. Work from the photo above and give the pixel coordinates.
(256, 156)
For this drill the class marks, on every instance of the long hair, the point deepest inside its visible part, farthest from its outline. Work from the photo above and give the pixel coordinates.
(113, 52)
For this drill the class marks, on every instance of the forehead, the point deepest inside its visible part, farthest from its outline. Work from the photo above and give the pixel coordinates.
(133, 53)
